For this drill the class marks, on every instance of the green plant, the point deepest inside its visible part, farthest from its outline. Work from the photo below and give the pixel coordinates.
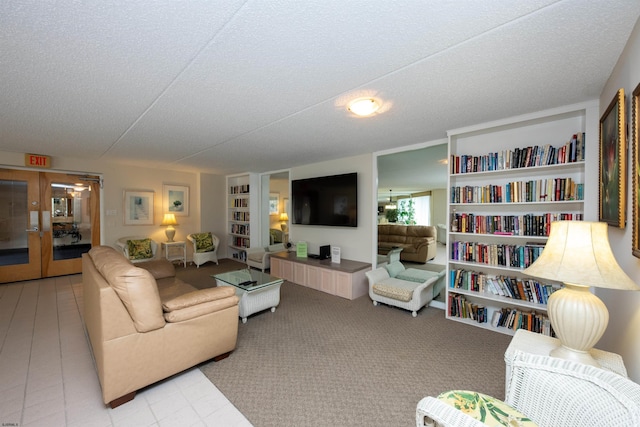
(407, 211)
(391, 215)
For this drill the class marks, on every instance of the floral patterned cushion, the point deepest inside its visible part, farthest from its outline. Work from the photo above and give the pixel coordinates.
(490, 411)
(204, 242)
(139, 249)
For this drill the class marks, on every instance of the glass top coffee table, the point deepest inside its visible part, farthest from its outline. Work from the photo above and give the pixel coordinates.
(257, 291)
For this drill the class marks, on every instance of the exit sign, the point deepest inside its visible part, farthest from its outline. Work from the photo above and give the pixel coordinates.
(36, 160)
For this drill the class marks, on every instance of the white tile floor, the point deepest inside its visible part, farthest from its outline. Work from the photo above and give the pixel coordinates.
(47, 375)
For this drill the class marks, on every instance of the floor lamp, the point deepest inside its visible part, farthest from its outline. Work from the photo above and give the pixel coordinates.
(578, 254)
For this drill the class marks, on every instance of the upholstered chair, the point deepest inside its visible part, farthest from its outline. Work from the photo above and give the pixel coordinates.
(260, 258)
(205, 247)
(137, 249)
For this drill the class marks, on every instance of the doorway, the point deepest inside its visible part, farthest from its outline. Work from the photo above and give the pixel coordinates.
(47, 221)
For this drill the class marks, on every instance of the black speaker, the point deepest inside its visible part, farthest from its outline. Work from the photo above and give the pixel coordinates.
(325, 252)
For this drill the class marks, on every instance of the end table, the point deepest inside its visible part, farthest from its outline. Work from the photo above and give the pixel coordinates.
(175, 251)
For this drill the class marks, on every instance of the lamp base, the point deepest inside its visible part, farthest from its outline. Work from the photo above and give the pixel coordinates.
(284, 227)
(170, 232)
(579, 318)
(567, 353)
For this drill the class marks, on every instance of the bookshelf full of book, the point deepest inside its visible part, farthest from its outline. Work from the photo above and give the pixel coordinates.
(508, 181)
(242, 205)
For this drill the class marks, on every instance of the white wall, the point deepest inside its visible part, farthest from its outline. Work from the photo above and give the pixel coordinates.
(623, 334)
(355, 242)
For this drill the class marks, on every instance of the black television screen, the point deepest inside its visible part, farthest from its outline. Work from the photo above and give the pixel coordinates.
(327, 200)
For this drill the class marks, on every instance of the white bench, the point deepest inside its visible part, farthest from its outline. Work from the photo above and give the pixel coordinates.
(410, 289)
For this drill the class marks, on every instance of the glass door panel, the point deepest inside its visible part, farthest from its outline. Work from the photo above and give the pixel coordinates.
(20, 249)
(70, 226)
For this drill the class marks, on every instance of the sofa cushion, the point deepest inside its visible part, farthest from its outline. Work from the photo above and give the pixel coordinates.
(394, 268)
(204, 242)
(486, 409)
(139, 249)
(135, 287)
(400, 290)
(416, 275)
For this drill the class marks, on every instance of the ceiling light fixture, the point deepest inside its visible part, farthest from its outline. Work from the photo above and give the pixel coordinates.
(391, 205)
(364, 106)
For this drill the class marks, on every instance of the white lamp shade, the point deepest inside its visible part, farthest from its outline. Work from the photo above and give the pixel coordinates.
(578, 252)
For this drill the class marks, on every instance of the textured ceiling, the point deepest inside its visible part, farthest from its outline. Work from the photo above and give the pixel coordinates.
(231, 86)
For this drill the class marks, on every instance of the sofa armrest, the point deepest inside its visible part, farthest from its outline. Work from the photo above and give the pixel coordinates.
(197, 297)
(198, 303)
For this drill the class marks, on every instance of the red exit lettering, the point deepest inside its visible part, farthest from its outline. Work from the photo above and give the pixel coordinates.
(37, 160)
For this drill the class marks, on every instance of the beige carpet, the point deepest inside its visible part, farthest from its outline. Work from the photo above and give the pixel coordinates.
(322, 360)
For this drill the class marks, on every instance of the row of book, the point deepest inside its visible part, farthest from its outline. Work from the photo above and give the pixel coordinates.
(240, 256)
(541, 190)
(510, 225)
(517, 319)
(240, 216)
(241, 242)
(240, 203)
(240, 229)
(507, 286)
(498, 254)
(533, 156)
(239, 189)
(511, 318)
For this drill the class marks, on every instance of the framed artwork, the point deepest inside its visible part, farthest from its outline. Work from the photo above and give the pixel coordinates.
(138, 207)
(175, 199)
(274, 201)
(635, 170)
(613, 163)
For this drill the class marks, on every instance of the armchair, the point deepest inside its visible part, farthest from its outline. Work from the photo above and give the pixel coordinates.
(137, 249)
(552, 392)
(205, 247)
(260, 257)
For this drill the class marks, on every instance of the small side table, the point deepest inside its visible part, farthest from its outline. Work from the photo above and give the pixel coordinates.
(531, 342)
(175, 251)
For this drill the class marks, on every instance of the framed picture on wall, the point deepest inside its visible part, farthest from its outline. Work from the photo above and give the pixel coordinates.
(635, 171)
(138, 207)
(274, 201)
(613, 163)
(175, 199)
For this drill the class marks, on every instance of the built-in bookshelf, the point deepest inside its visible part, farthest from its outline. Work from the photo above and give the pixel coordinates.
(508, 182)
(242, 206)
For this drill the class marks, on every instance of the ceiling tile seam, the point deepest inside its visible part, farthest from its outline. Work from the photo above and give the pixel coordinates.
(390, 73)
(172, 83)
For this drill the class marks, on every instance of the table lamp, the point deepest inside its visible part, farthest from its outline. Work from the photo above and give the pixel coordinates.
(169, 220)
(283, 221)
(578, 254)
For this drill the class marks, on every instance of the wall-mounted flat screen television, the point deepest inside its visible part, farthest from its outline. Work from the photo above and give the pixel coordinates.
(326, 200)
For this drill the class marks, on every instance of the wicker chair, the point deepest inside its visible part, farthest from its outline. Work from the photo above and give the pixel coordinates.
(552, 392)
(122, 243)
(200, 258)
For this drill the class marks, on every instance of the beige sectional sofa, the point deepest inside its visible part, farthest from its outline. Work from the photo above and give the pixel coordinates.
(145, 324)
(418, 242)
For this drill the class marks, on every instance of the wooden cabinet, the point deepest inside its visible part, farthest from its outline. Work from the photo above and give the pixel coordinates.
(347, 279)
(504, 193)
